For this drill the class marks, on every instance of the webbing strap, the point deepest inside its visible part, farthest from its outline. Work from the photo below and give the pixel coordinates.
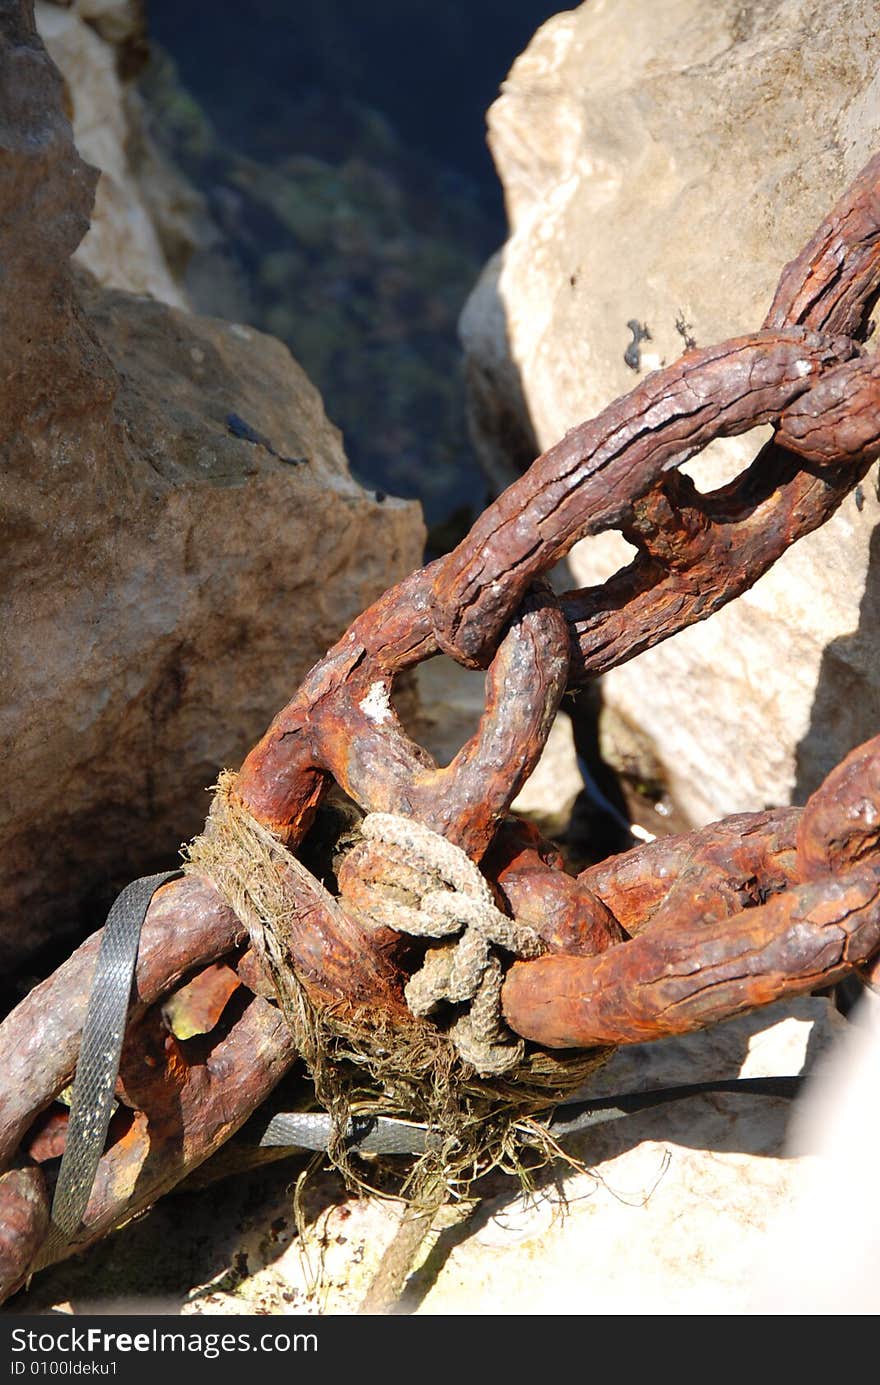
(91, 1102)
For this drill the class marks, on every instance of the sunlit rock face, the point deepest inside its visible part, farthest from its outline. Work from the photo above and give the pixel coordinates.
(660, 164)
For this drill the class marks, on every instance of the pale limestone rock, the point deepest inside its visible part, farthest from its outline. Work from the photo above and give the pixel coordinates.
(451, 701)
(122, 248)
(115, 20)
(775, 1041)
(663, 162)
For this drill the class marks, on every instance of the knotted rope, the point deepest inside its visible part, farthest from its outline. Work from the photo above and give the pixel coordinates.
(449, 900)
(474, 1087)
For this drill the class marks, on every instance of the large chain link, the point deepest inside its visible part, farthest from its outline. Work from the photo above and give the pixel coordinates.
(803, 373)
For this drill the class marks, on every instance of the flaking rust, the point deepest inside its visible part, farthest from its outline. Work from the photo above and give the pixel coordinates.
(669, 937)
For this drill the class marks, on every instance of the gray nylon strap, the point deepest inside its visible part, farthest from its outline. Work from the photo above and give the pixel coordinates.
(91, 1102)
(365, 1135)
(387, 1135)
(573, 1117)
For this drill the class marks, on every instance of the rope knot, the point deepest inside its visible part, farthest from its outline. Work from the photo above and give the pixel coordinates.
(406, 877)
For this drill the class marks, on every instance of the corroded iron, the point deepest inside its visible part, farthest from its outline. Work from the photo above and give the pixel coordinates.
(696, 552)
(666, 938)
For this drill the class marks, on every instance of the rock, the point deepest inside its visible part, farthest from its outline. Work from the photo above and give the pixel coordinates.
(165, 581)
(549, 793)
(162, 637)
(117, 21)
(670, 1211)
(835, 1133)
(660, 164)
(451, 700)
(122, 248)
(497, 414)
(47, 194)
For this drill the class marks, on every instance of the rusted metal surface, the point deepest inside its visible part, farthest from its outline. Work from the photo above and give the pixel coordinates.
(835, 275)
(187, 924)
(188, 1098)
(565, 912)
(662, 939)
(677, 976)
(342, 723)
(197, 1007)
(178, 1104)
(811, 914)
(24, 1202)
(697, 552)
(708, 874)
(590, 481)
(840, 826)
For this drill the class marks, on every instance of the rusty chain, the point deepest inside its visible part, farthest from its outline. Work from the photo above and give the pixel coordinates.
(666, 938)
(802, 372)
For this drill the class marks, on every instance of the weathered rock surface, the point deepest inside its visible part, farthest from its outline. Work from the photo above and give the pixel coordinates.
(661, 163)
(122, 248)
(673, 1212)
(165, 584)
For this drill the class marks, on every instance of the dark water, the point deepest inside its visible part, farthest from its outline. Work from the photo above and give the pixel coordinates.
(350, 203)
(431, 70)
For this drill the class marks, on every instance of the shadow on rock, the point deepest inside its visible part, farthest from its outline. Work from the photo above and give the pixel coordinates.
(846, 705)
